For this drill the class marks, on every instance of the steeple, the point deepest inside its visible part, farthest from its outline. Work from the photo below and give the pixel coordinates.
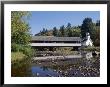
(87, 35)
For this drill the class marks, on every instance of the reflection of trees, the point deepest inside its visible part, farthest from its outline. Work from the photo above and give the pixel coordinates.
(21, 69)
(44, 68)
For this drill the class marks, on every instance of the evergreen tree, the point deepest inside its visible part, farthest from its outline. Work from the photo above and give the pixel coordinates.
(87, 26)
(43, 31)
(55, 31)
(98, 23)
(69, 30)
(62, 31)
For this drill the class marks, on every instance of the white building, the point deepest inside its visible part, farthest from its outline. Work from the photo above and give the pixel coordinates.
(87, 40)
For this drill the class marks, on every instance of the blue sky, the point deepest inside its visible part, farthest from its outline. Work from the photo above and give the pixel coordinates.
(50, 19)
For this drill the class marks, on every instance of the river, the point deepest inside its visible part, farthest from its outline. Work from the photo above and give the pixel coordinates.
(70, 67)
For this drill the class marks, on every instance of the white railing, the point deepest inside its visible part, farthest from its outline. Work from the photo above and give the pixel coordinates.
(55, 44)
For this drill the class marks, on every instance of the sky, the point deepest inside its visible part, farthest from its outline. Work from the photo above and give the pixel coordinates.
(50, 19)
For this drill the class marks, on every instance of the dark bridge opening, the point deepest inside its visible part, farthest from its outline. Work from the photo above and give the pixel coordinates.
(50, 48)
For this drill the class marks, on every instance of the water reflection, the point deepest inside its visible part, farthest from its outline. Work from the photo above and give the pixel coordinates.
(69, 68)
(39, 71)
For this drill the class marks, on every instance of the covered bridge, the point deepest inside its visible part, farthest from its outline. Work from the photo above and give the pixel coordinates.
(55, 41)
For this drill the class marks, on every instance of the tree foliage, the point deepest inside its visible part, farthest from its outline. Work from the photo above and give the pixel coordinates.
(98, 23)
(62, 31)
(93, 29)
(87, 26)
(69, 30)
(20, 30)
(55, 31)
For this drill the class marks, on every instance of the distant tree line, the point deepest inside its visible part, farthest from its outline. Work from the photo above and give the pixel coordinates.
(63, 31)
(76, 31)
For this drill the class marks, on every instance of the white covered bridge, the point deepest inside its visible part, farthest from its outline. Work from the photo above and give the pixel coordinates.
(55, 41)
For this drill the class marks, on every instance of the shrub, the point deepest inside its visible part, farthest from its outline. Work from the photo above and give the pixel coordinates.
(17, 56)
(15, 47)
(25, 49)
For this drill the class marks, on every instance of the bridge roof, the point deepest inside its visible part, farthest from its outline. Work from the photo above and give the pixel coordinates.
(52, 38)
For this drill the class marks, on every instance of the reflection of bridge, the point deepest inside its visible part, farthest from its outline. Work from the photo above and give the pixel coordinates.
(55, 41)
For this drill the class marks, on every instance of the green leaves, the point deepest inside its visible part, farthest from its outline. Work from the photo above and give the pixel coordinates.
(20, 32)
(68, 31)
(19, 27)
(55, 31)
(62, 31)
(93, 29)
(87, 26)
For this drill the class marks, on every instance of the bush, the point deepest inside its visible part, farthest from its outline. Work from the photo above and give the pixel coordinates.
(25, 49)
(15, 47)
(17, 56)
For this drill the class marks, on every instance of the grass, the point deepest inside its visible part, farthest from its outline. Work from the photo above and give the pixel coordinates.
(91, 49)
(17, 56)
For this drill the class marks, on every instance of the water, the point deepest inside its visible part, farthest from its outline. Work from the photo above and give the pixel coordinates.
(67, 68)
(42, 71)
(74, 67)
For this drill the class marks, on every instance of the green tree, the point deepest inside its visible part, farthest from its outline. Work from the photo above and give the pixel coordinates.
(95, 35)
(20, 33)
(70, 33)
(46, 32)
(55, 31)
(69, 30)
(93, 29)
(98, 23)
(20, 30)
(62, 31)
(87, 26)
(43, 31)
(76, 32)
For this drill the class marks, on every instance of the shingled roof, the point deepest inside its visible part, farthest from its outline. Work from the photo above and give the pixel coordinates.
(52, 38)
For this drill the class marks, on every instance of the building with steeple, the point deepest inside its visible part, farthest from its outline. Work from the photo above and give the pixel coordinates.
(87, 40)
